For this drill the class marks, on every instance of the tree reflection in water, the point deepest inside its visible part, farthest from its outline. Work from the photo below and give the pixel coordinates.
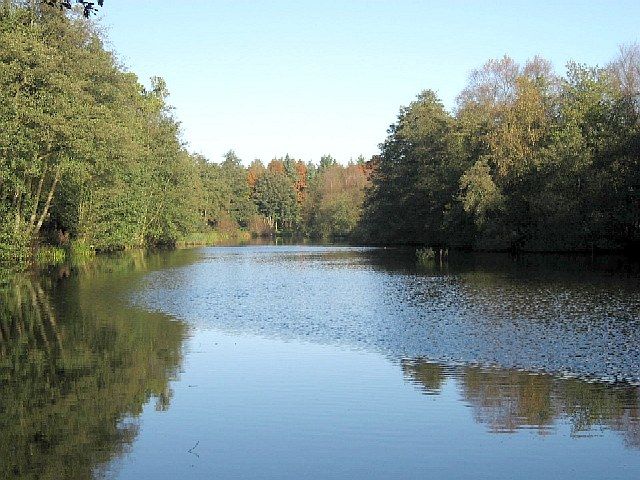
(509, 400)
(76, 368)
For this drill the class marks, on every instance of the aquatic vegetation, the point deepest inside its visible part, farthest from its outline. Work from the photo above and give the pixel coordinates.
(425, 256)
(50, 255)
(213, 237)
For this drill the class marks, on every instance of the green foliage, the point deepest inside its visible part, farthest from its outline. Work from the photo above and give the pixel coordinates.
(14, 246)
(88, 156)
(86, 152)
(333, 207)
(48, 255)
(276, 199)
(415, 180)
(213, 237)
(240, 206)
(529, 161)
(327, 161)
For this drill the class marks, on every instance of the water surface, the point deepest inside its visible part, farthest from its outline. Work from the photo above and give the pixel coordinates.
(321, 362)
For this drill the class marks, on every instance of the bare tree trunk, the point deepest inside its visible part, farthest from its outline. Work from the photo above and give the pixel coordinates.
(17, 200)
(36, 200)
(47, 204)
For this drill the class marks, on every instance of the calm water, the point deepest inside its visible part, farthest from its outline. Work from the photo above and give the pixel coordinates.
(321, 362)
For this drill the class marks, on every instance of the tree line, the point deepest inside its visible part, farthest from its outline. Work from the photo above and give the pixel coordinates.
(529, 160)
(285, 196)
(90, 156)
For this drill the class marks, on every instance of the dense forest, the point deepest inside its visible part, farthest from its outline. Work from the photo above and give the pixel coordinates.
(90, 159)
(530, 160)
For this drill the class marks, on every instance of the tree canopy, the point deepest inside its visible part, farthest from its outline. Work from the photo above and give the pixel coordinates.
(528, 161)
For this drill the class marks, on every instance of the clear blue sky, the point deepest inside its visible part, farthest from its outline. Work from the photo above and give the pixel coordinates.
(314, 77)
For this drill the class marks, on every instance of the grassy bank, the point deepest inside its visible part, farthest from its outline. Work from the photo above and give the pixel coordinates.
(45, 255)
(75, 252)
(213, 237)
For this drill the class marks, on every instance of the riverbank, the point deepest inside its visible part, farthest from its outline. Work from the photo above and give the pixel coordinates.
(75, 253)
(214, 237)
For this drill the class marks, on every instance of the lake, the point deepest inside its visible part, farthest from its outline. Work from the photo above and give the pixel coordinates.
(321, 362)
